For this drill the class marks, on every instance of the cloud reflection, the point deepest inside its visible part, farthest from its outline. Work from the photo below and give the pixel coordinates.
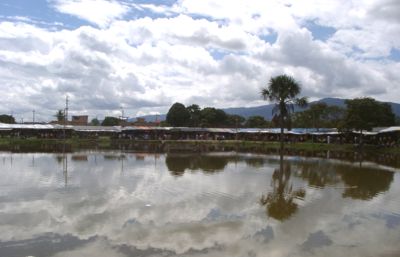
(211, 209)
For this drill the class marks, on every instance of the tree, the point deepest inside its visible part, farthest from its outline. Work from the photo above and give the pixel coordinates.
(318, 111)
(60, 115)
(366, 113)
(235, 121)
(4, 118)
(178, 115)
(95, 122)
(211, 117)
(397, 121)
(194, 111)
(110, 121)
(319, 115)
(334, 117)
(256, 122)
(283, 90)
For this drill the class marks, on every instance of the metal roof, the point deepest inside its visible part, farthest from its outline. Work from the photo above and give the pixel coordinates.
(116, 129)
(33, 126)
(97, 128)
(390, 129)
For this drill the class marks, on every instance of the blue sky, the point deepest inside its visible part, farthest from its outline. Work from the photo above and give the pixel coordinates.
(146, 55)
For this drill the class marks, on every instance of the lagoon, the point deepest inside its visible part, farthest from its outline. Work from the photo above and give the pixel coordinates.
(122, 203)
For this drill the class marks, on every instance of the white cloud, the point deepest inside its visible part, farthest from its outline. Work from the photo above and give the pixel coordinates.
(209, 53)
(99, 12)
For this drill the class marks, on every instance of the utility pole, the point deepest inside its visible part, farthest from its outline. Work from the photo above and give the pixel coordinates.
(66, 108)
(33, 116)
(122, 116)
(122, 113)
(236, 130)
(65, 115)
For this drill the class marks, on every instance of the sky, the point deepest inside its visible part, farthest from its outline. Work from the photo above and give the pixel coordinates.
(143, 56)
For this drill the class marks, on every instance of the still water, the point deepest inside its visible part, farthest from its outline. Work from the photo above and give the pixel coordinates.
(217, 204)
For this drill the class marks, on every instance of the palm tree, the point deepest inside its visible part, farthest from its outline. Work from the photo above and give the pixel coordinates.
(60, 114)
(283, 90)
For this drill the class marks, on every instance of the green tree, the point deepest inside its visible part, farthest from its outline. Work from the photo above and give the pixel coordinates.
(195, 113)
(178, 115)
(366, 113)
(283, 90)
(318, 111)
(95, 122)
(211, 117)
(397, 121)
(60, 115)
(334, 116)
(235, 121)
(256, 122)
(4, 118)
(319, 115)
(110, 121)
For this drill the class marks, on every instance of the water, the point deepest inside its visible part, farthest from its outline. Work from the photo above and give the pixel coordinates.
(217, 204)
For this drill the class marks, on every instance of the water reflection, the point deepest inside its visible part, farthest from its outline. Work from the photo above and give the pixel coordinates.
(365, 183)
(279, 203)
(360, 182)
(255, 162)
(317, 174)
(195, 205)
(179, 163)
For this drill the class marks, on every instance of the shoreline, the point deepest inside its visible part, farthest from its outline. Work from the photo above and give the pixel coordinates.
(110, 143)
(383, 156)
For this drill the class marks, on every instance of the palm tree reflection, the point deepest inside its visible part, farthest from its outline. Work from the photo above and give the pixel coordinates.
(363, 183)
(279, 203)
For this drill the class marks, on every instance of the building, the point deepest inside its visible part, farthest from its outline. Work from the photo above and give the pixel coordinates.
(141, 122)
(81, 120)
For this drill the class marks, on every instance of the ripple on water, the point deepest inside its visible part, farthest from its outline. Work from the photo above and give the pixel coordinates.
(312, 205)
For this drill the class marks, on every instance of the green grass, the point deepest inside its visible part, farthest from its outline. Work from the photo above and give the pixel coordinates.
(108, 143)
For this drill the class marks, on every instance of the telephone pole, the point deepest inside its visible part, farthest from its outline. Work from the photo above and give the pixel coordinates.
(122, 119)
(66, 109)
(122, 113)
(33, 116)
(65, 115)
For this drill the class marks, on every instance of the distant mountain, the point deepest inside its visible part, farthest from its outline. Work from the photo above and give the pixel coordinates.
(332, 101)
(150, 118)
(266, 110)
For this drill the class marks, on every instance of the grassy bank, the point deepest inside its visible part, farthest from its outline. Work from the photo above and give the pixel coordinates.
(108, 143)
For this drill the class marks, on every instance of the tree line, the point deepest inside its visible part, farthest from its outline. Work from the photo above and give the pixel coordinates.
(359, 113)
(193, 116)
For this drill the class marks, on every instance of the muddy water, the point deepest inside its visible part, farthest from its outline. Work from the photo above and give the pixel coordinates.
(115, 203)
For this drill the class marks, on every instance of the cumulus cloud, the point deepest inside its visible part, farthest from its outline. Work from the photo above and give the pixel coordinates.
(99, 12)
(213, 54)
